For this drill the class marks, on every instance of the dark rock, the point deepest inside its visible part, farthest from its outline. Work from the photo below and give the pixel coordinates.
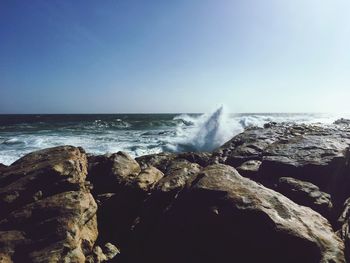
(120, 187)
(161, 160)
(116, 215)
(270, 124)
(201, 158)
(46, 212)
(307, 194)
(248, 145)
(309, 153)
(117, 212)
(344, 231)
(320, 159)
(249, 169)
(109, 173)
(106, 254)
(165, 192)
(177, 175)
(110, 251)
(222, 216)
(342, 121)
(147, 178)
(2, 167)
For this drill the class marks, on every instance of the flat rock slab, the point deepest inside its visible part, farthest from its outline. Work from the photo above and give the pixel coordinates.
(315, 154)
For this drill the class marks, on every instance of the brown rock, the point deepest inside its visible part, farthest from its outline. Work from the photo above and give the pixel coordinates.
(160, 160)
(344, 231)
(109, 173)
(46, 212)
(177, 175)
(307, 194)
(249, 169)
(223, 217)
(148, 178)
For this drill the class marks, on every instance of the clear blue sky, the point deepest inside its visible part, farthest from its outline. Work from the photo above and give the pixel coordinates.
(106, 56)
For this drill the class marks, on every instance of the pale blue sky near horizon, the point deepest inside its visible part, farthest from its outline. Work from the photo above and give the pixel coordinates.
(132, 56)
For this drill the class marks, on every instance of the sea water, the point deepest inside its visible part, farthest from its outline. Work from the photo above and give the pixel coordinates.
(137, 134)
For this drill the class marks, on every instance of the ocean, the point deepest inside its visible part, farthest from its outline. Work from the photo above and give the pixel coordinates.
(137, 134)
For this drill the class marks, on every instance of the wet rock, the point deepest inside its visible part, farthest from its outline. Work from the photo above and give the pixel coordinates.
(46, 212)
(223, 216)
(307, 194)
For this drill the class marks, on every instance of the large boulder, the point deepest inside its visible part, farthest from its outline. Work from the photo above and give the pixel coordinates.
(47, 213)
(160, 160)
(147, 178)
(120, 187)
(307, 194)
(177, 175)
(310, 153)
(201, 158)
(223, 217)
(344, 227)
(317, 158)
(248, 145)
(249, 169)
(109, 173)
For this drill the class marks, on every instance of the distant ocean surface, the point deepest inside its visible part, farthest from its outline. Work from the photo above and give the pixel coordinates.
(137, 134)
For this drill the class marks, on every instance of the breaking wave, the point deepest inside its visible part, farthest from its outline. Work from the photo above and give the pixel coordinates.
(206, 133)
(138, 134)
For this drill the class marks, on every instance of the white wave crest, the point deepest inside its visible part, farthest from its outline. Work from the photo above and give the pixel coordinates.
(208, 132)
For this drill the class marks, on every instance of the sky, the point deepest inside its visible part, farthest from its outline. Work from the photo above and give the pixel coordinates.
(129, 56)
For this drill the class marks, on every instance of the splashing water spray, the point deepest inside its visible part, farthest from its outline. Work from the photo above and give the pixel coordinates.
(208, 133)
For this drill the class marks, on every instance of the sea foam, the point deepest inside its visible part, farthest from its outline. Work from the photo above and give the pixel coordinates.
(206, 133)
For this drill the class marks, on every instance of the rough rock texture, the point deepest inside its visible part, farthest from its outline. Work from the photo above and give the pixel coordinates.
(148, 178)
(201, 158)
(248, 145)
(315, 154)
(344, 231)
(222, 216)
(185, 207)
(163, 160)
(177, 174)
(305, 193)
(160, 160)
(109, 173)
(120, 187)
(342, 121)
(108, 253)
(46, 211)
(249, 169)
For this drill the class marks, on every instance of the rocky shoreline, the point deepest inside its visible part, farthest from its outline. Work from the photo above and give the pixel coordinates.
(275, 194)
